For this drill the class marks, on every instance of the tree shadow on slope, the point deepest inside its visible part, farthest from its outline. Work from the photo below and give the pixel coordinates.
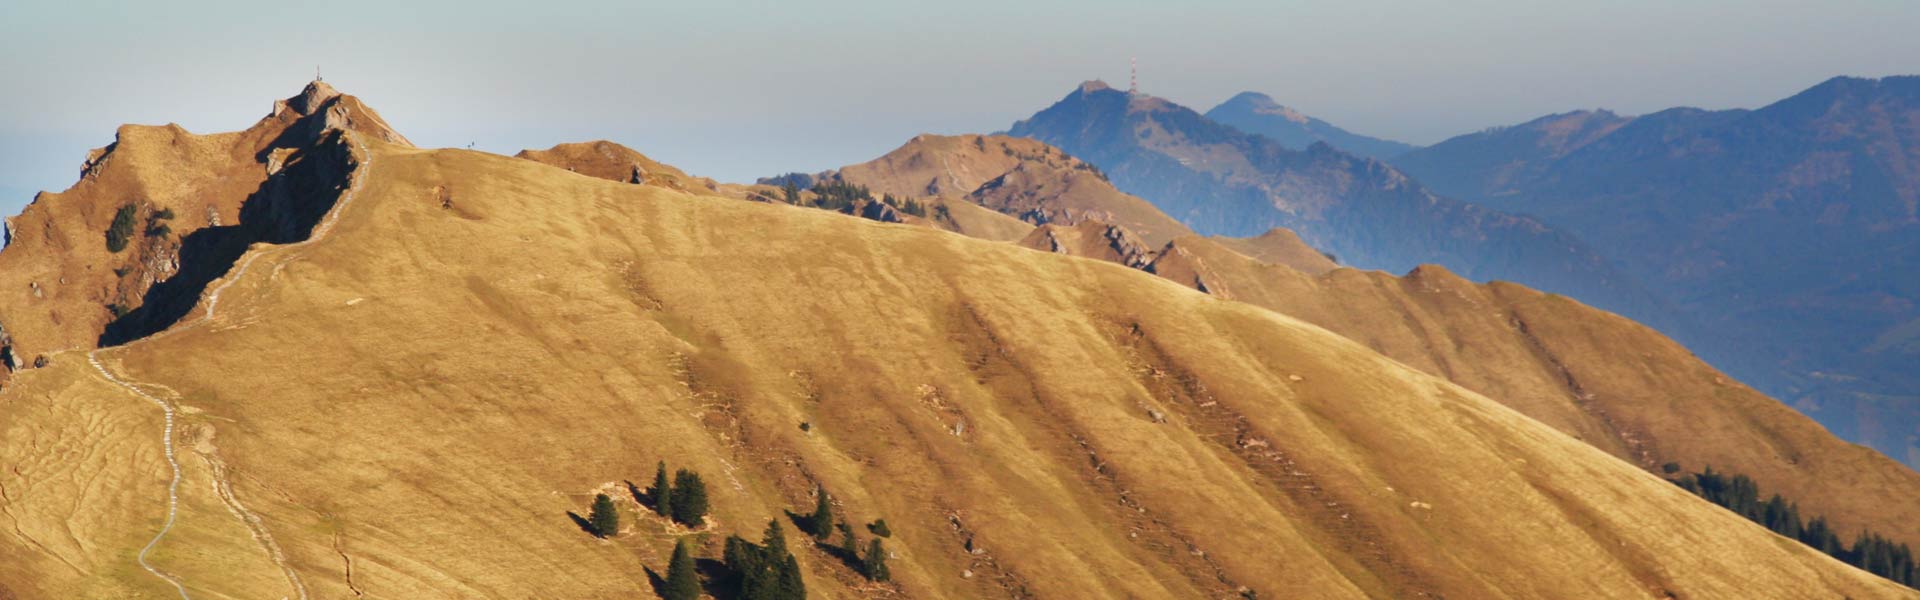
(583, 524)
(285, 209)
(805, 524)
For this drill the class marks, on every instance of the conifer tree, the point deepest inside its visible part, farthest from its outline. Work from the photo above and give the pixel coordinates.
(603, 518)
(847, 542)
(741, 559)
(820, 524)
(775, 538)
(122, 228)
(874, 565)
(789, 585)
(661, 492)
(683, 582)
(768, 571)
(689, 498)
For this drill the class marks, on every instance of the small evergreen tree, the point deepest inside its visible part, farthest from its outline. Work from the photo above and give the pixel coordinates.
(820, 524)
(661, 492)
(741, 558)
(683, 582)
(789, 585)
(847, 542)
(122, 228)
(768, 571)
(689, 498)
(879, 528)
(604, 518)
(874, 565)
(775, 538)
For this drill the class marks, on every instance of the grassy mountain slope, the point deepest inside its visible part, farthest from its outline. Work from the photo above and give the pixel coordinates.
(1604, 379)
(1280, 246)
(607, 160)
(1087, 429)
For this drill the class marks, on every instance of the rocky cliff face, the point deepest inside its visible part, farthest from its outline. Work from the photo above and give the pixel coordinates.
(1092, 239)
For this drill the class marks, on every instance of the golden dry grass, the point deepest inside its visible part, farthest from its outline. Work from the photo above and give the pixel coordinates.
(1602, 378)
(426, 393)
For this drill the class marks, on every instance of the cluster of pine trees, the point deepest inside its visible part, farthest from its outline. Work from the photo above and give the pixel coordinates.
(764, 571)
(684, 500)
(822, 525)
(840, 195)
(905, 205)
(1738, 493)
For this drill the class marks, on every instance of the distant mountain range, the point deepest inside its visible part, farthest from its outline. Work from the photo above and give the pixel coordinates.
(1787, 234)
(1780, 243)
(1256, 113)
(1223, 181)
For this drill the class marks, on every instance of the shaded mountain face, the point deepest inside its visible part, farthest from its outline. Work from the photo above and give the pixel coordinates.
(1788, 234)
(1258, 114)
(1221, 181)
(1493, 162)
(411, 405)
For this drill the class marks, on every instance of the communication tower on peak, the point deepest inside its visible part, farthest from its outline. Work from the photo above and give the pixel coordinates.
(1133, 75)
(316, 73)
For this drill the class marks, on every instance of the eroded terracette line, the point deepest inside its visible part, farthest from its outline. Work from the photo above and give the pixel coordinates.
(223, 489)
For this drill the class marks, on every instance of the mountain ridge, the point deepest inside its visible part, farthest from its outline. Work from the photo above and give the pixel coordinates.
(1258, 113)
(1220, 181)
(1696, 203)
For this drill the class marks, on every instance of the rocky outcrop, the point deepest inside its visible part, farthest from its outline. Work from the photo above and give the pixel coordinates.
(880, 211)
(199, 200)
(1092, 239)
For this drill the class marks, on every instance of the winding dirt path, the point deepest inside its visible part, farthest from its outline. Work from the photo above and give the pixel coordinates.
(252, 520)
(173, 487)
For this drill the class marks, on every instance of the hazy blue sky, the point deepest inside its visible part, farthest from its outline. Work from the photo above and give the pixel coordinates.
(741, 89)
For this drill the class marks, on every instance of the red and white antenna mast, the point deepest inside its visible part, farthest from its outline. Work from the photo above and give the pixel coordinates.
(1133, 75)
